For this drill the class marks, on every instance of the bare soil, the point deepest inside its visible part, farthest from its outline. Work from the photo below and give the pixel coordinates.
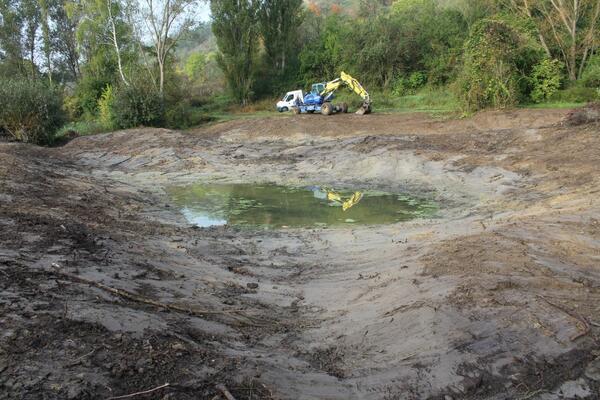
(107, 291)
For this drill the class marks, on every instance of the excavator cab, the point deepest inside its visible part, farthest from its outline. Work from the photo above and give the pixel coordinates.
(317, 88)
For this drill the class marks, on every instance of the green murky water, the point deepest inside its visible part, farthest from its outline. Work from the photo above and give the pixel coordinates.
(276, 206)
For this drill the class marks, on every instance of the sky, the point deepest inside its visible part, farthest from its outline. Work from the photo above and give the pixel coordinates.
(204, 11)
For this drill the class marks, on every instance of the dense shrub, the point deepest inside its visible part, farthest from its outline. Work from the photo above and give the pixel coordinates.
(30, 111)
(136, 105)
(575, 94)
(591, 74)
(496, 56)
(86, 96)
(546, 79)
(179, 116)
(409, 85)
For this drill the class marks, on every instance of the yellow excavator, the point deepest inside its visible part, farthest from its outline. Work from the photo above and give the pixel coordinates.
(320, 97)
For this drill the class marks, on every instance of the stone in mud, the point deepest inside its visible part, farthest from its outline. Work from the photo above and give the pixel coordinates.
(252, 285)
(593, 370)
(578, 389)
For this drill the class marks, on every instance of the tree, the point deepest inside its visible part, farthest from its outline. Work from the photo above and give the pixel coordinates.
(11, 51)
(497, 56)
(165, 21)
(103, 27)
(194, 66)
(235, 25)
(326, 55)
(567, 29)
(47, 44)
(64, 39)
(30, 14)
(279, 22)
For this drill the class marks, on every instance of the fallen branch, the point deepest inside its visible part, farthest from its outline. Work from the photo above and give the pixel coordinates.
(531, 394)
(221, 388)
(80, 359)
(126, 396)
(408, 357)
(574, 314)
(121, 162)
(405, 307)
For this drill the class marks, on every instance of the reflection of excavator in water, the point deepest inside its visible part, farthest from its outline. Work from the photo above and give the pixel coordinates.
(321, 95)
(347, 204)
(330, 195)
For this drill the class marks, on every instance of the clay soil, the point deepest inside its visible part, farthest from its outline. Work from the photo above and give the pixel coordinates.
(106, 290)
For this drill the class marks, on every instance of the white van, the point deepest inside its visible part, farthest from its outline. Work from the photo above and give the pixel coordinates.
(290, 100)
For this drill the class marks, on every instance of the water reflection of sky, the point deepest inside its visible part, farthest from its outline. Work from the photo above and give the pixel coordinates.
(202, 220)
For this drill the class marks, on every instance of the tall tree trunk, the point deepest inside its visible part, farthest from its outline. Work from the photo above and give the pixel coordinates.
(46, 36)
(116, 42)
(161, 86)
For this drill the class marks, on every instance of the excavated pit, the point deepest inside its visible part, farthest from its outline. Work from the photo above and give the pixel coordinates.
(493, 293)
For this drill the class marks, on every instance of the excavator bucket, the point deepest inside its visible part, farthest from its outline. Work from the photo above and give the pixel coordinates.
(364, 109)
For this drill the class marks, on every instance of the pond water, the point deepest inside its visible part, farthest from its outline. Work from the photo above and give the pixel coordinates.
(275, 206)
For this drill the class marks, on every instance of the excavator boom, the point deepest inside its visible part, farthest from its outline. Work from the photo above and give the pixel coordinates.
(354, 85)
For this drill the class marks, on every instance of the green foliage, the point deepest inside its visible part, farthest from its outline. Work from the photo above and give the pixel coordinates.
(414, 36)
(105, 106)
(30, 111)
(195, 66)
(99, 72)
(575, 94)
(591, 75)
(496, 56)
(235, 27)
(136, 105)
(323, 58)
(279, 21)
(408, 85)
(546, 79)
(81, 128)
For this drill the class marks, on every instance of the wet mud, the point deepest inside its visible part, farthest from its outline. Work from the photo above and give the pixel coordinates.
(107, 290)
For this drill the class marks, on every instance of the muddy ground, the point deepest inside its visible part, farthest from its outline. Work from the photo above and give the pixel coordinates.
(107, 291)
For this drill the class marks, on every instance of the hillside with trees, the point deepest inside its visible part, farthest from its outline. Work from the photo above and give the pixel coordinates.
(112, 64)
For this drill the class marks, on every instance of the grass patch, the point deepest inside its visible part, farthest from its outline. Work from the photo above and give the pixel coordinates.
(435, 101)
(554, 104)
(82, 128)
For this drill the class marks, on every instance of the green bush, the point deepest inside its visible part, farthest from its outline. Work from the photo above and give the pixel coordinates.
(403, 86)
(546, 79)
(136, 105)
(30, 111)
(591, 74)
(105, 105)
(496, 55)
(575, 94)
(179, 116)
(87, 93)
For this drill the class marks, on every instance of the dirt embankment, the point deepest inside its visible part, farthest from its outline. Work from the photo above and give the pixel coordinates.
(107, 290)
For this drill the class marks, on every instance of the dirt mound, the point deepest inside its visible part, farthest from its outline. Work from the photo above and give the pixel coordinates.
(585, 115)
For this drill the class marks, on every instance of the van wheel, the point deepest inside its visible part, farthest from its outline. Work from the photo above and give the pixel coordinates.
(284, 109)
(327, 109)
